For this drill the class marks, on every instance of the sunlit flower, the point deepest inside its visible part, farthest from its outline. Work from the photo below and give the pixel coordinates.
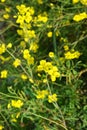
(80, 17)
(66, 47)
(44, 80)
(3, 1)
(16, 103)
(49, 34)
(41, 94)
(9, 45)
(23, 44)
(2, 48)
(4, 74)
(52, 98)
(13, 119)
(72, 55)
(7, 9)
(6, 16)
(51, 54)
(84, 2)
(1, 127)
(34, 47)
(24, 77)
(75, 1)
(9, 105)
(50, 69)
(16, 63)
(40, 1)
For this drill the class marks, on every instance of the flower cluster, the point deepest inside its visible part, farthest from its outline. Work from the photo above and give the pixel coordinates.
(80, 17)
(28, 57)
(71, 54)
(3, 48)
(49, 69)
(6, 15)
(25, 17)
(43, 93)
(27, 21)
(84, 2)
(52, 98)
(15, 103)
(37, 77)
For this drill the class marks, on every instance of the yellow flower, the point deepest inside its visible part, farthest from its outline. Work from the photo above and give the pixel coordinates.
(42, 65)
(41, 94)
(16, 103)
(72, 55)
(2, 48)
(75, 1)
(13, 120)
(51, 54)
(28, 17)
(53, 72)
(16, 63)
(6, 16)
(15, 117)
(9, 45)
(44, 80)
(30, 60)
(84, 2)
(41, 18)
(33, 47)
(26, 54)
(49, 34)
(31, 80)
(3, 1)
(7, 9)
(23, 44)
(24, 77)
(48, 68)
(62, 59)
(18, 114)
(52, 5)
(40, 1)
(80, 17)
(21, 8)
(4, 74)
(66, 47)
(57, 33)
(9, 105)
(52, 98)
(20, 32)
(28, 34)
(1, 127)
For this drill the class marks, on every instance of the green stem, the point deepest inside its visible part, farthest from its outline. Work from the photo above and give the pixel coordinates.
(20, 65)
(5, 120)
(58, 124)
(54, 42)
(9, 96)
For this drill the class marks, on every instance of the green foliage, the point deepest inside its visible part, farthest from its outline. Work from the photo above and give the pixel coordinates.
(43, 65)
